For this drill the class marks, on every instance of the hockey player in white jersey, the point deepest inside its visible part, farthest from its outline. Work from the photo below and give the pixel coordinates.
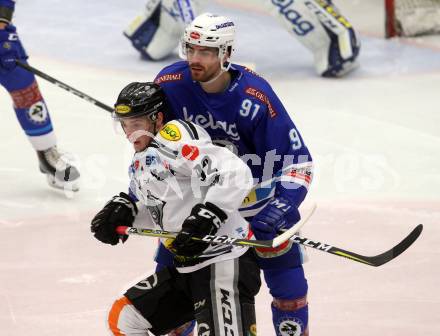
(181, 182)
(317, 24)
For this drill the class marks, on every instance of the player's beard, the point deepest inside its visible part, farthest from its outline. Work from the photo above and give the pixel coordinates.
(201, 73)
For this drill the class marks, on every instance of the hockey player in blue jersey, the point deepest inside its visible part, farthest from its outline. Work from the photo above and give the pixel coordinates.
(29, 105)
(317, 24)
(239, 109)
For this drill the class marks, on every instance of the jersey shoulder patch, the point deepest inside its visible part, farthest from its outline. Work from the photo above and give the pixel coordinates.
(179, 131)
(171, 73)
(171, 132)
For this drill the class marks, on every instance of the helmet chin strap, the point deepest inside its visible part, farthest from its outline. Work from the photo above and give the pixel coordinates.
(215, 78)
(223, 69)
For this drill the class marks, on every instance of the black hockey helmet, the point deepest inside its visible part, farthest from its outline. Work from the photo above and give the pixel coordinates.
(138, 99)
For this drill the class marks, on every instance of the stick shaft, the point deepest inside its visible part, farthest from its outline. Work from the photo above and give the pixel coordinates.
(64, 86)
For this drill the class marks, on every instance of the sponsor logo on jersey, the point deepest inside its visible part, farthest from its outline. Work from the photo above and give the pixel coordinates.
(190, 152)
(170, 132)
(122, 109)
(224, 25)
(210, 122)
(300, 26)
(263, 98)
(301, 176)
(195, 35)
(150, 160)
(169, 78)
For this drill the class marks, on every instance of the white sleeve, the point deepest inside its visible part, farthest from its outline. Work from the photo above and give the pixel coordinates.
(228, 177)
(143, 218)
(225, 178)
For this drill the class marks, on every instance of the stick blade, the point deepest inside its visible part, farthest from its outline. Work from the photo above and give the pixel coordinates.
(398, 249)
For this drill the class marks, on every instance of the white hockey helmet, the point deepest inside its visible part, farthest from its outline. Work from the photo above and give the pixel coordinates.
(210, 30)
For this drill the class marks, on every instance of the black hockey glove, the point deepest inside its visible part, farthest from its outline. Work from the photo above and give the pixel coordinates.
(120, 210)
(205, 219)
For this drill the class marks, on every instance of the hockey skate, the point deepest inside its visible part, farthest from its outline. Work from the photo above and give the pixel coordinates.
(60, 172)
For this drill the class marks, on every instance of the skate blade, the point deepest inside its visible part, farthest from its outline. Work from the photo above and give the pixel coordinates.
(62, 185)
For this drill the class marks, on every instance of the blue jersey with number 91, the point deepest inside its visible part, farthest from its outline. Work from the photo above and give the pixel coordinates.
(250, 119)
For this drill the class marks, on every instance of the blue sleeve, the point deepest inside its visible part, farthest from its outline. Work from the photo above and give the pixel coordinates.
(159, 74)
(167, 85)
(7, 4)
(6, 10)
(277, 139)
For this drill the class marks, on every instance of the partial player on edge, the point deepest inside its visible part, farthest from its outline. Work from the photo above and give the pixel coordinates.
(30, 107)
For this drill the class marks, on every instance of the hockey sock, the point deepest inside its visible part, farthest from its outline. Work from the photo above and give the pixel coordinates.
(290, 317)
(30, 108)
(288, 286)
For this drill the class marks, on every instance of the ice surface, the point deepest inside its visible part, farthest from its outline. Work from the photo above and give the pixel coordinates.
(374, 136)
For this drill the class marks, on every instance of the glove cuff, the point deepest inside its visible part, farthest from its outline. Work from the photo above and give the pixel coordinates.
(216, 210)
(128, 198)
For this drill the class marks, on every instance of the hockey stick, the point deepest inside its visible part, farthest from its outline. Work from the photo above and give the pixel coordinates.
(375, 261)
(64, 86)
(224, 240)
